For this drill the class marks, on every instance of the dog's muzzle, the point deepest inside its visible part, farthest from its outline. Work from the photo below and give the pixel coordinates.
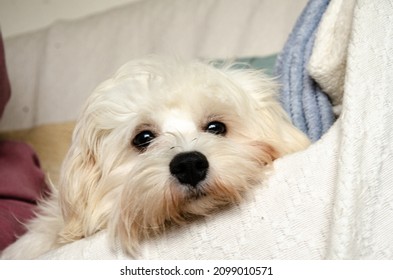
(189, 168)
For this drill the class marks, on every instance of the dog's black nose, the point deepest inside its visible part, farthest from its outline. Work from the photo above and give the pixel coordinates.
(189, 168)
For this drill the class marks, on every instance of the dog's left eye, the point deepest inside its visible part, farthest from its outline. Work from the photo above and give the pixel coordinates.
(143, 139)
(216, 127)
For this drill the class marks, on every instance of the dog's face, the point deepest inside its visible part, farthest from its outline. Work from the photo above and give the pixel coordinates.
(166, 140)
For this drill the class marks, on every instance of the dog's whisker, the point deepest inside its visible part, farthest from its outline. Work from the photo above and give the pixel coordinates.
(179, 147)
(195, 141)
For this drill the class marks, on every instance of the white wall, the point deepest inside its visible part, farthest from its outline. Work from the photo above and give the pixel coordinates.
(20, 16)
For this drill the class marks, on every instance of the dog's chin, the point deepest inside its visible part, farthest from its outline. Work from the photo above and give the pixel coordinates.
(201, 204)
(194, 193)
(176, 205)
(199, 201)
(208, 196)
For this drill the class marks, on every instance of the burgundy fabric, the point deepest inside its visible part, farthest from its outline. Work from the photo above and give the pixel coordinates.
(5, 89)
(22, 182)
(21, 179)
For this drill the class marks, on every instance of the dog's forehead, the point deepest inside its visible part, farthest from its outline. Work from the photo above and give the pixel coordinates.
(176, 120)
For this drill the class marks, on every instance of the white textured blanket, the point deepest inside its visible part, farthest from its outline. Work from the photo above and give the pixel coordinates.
(334, 200)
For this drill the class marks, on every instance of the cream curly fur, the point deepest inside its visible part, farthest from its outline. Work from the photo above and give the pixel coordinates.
(109, 183)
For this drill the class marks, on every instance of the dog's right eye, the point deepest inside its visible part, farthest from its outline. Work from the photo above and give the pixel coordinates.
(143, 139)
(217, 128)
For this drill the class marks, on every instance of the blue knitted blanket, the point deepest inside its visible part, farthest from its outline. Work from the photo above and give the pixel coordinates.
(306, 104)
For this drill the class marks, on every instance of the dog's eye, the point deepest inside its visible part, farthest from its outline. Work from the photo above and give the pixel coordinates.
(143, 139)
(216, 127)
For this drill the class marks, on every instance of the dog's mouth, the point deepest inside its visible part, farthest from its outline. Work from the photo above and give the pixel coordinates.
(194, 193)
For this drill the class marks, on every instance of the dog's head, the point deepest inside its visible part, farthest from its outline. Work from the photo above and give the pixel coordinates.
(164, 140)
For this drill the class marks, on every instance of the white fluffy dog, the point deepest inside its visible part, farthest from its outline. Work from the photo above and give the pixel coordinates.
(161, 142)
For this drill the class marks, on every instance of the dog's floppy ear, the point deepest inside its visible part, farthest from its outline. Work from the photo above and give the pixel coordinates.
(80, 175)
(272, 121)
(91, 174)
